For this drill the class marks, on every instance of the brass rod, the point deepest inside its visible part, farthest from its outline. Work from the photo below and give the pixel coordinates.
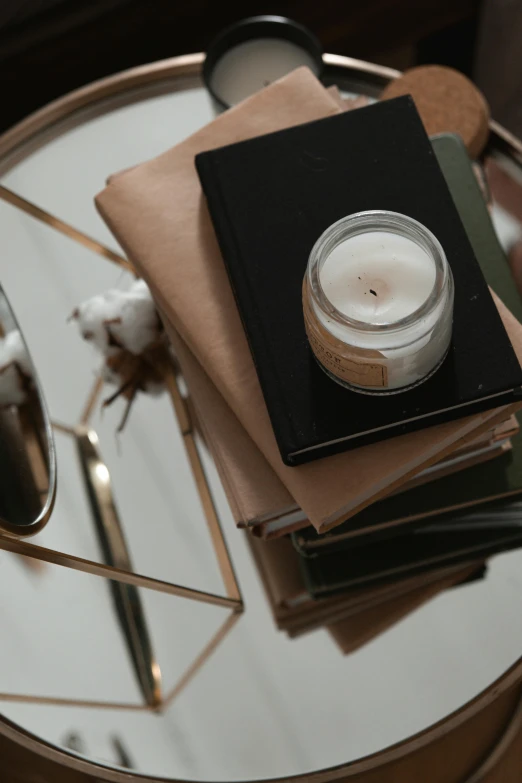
(178, 402)
(92, 399)
(63, 428)
(204, 655)
(223, 557)
(104, 705)
(99, 569)
(64, 228)
(213, 523)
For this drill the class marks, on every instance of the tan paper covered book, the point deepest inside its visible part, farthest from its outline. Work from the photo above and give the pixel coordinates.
(158, 213)
(296, 612)
(351, 633)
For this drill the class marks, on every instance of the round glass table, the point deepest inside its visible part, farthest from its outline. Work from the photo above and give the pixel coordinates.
(261, 706)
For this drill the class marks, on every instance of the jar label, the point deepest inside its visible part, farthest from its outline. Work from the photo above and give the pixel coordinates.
(353, 370)
(350, 364)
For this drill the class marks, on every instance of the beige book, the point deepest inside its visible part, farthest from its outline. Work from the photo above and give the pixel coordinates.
(158, 213)
(361, 627)
(333, 92)
(254, 491)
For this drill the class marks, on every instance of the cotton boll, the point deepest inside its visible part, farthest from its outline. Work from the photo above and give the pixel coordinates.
(140, 288)
(92, 315)
(130, 317)
(125, 327)
(139, 325)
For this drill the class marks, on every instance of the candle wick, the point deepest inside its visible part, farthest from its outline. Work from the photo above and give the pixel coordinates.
(372, 292)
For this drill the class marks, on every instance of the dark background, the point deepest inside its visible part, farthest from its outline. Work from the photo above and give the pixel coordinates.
(48, 47)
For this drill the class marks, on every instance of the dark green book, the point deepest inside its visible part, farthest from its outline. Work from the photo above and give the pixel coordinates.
(407, 555)
(499, 478)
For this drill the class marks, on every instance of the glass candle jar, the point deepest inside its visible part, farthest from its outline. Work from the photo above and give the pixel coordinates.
(378, 302)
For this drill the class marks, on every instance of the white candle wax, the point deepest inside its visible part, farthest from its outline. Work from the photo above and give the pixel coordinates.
(378, 277)
(252, 65)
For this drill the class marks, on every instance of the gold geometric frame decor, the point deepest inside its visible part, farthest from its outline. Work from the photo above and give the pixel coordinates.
(117, 566)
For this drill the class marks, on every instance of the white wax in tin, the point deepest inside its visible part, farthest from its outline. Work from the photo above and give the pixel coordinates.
(252, 65)
(378, 277)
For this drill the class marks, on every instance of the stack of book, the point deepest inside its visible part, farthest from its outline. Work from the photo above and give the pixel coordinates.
(358, 509)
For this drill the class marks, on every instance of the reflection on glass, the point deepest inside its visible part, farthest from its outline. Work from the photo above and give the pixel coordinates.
(27, 457)
(110, 535)
(75, 742)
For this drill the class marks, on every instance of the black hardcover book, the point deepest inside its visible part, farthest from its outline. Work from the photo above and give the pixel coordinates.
(271, 197)
(502, 477)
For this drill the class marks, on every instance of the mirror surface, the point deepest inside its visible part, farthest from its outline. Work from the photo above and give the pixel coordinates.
(27, 457)
(263, 705)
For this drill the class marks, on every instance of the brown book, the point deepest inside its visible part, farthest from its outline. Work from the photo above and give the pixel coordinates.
(296, 612)
(158, 213)
(353, 632)
(306, 623)
(253, 490)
